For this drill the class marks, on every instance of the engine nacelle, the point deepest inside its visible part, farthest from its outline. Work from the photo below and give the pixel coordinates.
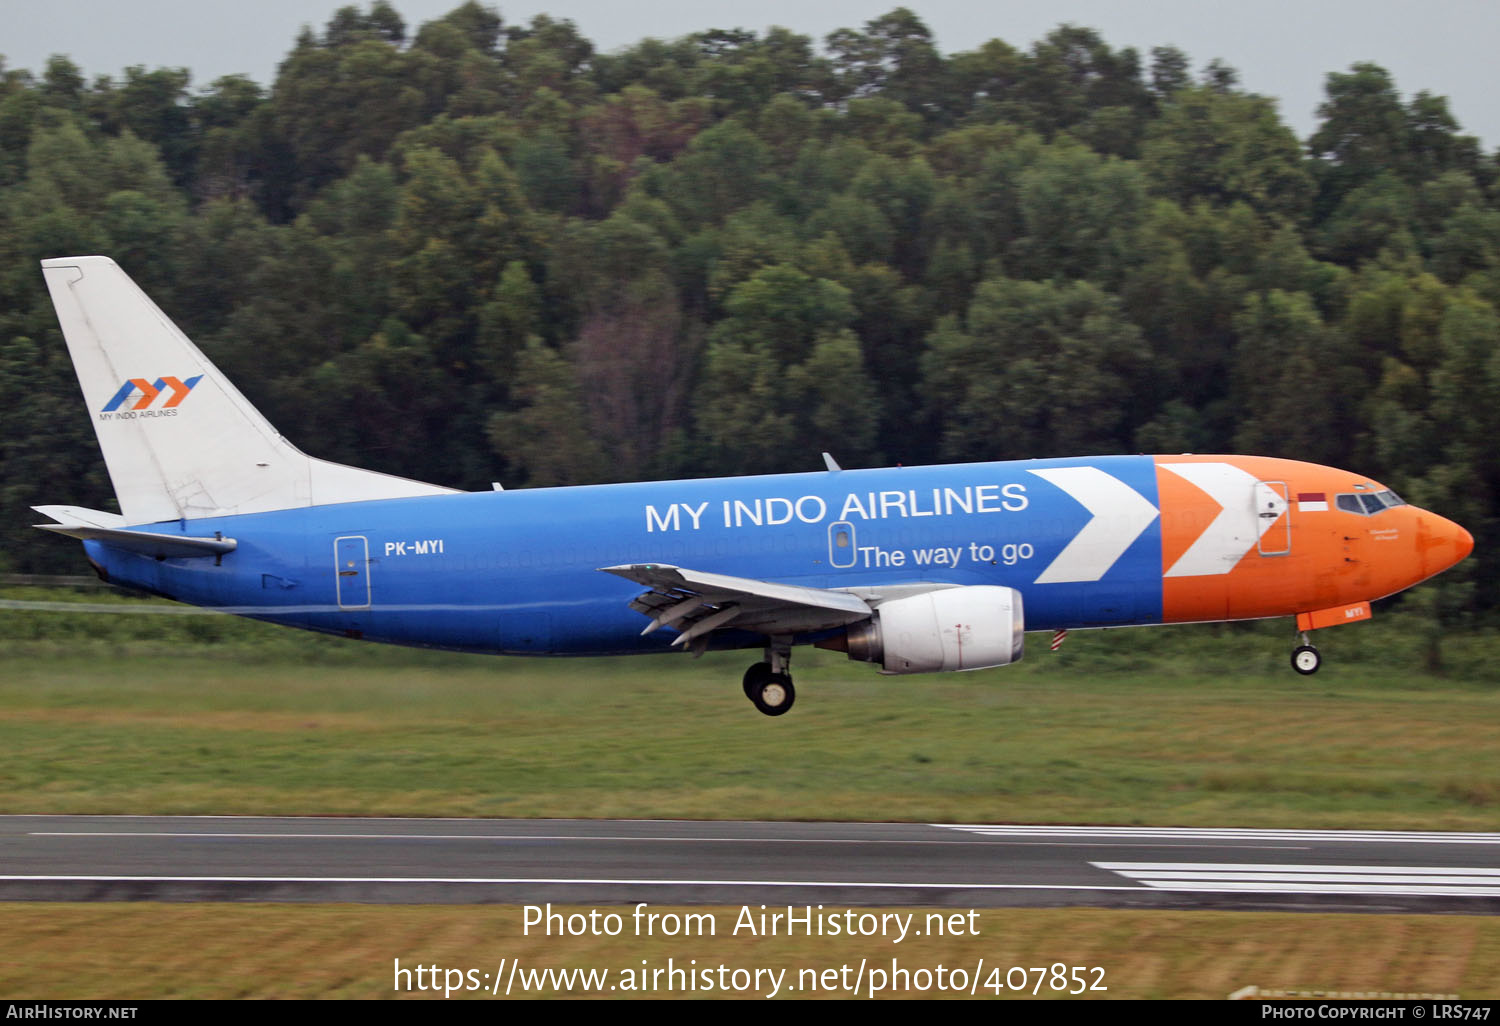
(953, 629)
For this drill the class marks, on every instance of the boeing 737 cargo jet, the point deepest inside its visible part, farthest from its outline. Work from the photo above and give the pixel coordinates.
(916, 569)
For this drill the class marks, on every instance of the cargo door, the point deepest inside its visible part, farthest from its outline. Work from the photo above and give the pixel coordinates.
(1274, 519)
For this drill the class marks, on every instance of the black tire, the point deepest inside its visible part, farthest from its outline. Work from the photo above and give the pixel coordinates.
(1305, 660)
(754, 677)
(774, 695)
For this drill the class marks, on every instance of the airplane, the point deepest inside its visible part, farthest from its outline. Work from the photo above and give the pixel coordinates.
(915, 569)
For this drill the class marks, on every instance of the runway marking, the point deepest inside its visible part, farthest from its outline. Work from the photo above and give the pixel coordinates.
(566, 880)
(1279, 869)
(1183, 885)
(987, 829)
(1226, 833)
(1311, 879)
(612, 839)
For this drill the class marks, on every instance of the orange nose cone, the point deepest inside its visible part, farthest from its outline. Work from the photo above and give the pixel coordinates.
(1446, 544)
(1463, 543)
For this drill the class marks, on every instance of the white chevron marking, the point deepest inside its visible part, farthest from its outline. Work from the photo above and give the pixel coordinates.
(1120, 514)
(1233, 532)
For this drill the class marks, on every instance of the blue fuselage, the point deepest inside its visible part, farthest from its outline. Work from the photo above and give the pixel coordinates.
(518, 571)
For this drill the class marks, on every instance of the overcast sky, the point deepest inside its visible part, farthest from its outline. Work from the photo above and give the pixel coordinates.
(1282, 48)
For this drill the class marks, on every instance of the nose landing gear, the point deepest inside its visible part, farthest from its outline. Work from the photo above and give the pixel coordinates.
(1305, 658)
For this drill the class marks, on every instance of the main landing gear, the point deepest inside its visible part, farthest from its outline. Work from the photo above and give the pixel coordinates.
(1305, 658)
(769, 684)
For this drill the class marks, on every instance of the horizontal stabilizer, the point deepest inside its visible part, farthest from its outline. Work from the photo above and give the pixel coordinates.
(96, 525)
(160, 546)
(81, 516)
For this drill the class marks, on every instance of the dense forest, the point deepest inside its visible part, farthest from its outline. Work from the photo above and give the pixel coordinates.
(481, 252)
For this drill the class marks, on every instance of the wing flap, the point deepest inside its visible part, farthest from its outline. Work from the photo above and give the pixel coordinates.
(695, 603)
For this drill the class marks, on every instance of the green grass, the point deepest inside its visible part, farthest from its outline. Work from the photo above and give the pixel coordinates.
(1190, 726)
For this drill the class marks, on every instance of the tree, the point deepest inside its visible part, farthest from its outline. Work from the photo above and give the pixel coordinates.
(779, 310)
(548, 439)
(1169, 71)
(1372, 218)
(350, 93)
(1079, 215)
(225, 117)
(154, 105)
(782, 371)
(1073, 71)
(901, 193)
(1363, 130)
(1035, 369)
(633, 361)
(548, 55)
(984, 84)
(1367, 133)
(1226, 148)
(1433, 417)
(894, 57)
(722, 170)
(1295, 381)
(634, 124)
(479, 25)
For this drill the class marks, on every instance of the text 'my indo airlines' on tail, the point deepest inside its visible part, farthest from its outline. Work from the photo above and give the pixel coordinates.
(915, 569)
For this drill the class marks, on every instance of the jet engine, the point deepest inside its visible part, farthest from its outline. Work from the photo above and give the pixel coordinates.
(951, 629)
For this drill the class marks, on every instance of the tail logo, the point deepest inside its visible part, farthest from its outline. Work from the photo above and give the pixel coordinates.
(147, 392)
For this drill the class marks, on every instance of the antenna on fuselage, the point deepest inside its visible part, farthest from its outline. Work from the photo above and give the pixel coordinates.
(830, 462)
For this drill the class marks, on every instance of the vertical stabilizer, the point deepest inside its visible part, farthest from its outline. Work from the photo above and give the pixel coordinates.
(180, 441)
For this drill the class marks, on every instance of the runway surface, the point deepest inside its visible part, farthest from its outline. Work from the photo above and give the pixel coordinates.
(114, 858)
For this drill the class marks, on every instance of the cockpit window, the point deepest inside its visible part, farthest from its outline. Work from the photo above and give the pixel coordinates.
(1369, 503)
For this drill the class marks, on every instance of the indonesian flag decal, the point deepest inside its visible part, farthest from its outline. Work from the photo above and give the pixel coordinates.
(1312, 502)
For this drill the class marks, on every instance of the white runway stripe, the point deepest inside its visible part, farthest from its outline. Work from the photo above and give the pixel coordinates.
(1480, 881)
(1226, 833)
(1228, 887)
(1281, 869)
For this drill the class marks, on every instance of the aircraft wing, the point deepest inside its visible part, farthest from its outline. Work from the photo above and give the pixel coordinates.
(695, 603)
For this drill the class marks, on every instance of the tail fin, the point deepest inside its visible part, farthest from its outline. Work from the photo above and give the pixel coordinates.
(180, 441)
